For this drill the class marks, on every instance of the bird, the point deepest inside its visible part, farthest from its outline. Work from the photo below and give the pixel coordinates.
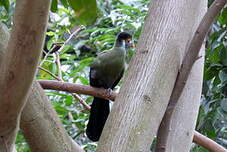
(105, 72)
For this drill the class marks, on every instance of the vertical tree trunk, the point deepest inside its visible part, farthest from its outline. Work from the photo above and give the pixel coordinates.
(146, 90)
(18, 65)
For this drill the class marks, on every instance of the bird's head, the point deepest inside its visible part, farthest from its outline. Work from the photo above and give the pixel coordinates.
(124, 39)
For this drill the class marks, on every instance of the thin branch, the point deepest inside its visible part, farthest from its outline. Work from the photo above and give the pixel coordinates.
(189, 60)
(71, 36)
(77, 88)
(47, 71)
(77, 30)
(207, 143)
(103, 93)
(44, 59)
(81, 100)
(86, 106)
(58, 65)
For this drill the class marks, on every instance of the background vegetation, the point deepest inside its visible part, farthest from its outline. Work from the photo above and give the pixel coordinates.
(103, 20)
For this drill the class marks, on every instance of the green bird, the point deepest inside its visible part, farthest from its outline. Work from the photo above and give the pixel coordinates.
(105, 72)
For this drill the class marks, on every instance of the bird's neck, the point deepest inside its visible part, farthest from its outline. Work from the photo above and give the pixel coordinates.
(119, 47)
(120, 43)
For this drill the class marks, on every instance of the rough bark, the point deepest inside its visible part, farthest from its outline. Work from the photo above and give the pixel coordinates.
(146, 90)
(19, 64)
(4, 38)
(41, 126)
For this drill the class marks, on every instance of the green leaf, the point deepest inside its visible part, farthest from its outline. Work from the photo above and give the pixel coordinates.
(223, 17)
(223, 55)
(68, 100)
(214, 56)
(223, 76)
(83, 80)
(5, 3)
(64, 3)
(86, 11)
(54, 6)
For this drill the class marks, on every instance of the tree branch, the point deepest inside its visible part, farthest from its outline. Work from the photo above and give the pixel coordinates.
(77, 88)
(103, 93)
(207, 143)
(73, 94)
(189, 60)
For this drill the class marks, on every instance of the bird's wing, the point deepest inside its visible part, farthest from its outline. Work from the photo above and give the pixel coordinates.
(118, 79)
(93, 78)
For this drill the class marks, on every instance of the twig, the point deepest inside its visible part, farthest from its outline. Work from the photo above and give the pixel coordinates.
(189, 59)
(81, 101)
(47, 71)
(44, 59)
(58, 65)
(63, 44)
(70, 37)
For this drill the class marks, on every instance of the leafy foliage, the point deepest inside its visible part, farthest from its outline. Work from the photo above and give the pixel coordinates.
(103, 20)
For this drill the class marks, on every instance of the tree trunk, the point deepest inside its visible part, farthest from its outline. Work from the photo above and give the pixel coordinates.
(41, 126)
(18, 65)
(143, 98)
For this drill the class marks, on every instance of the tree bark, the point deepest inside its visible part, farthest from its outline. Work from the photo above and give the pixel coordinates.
(19, 64)
(143, 98)
(183, 120)
(4, 38)
(41, 126)
(182, 114)
(39, 121)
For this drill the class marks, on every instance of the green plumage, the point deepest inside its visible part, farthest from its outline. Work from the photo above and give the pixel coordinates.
(105, 72)
(108, 66)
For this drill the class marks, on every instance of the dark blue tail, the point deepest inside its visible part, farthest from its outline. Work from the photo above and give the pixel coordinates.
(98, 115)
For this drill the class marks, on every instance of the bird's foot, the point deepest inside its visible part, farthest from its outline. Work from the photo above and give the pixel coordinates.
(109, 92)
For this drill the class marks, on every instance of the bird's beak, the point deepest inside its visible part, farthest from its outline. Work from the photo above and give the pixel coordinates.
(133, 45)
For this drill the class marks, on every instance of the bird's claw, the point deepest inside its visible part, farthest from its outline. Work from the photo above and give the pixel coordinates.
(109, 92)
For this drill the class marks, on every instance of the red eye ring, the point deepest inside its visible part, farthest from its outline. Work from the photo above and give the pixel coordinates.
(128, 40)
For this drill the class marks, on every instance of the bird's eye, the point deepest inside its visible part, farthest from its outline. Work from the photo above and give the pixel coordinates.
(128, 40)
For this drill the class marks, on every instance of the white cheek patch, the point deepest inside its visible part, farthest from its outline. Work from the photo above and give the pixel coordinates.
(123, 44)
